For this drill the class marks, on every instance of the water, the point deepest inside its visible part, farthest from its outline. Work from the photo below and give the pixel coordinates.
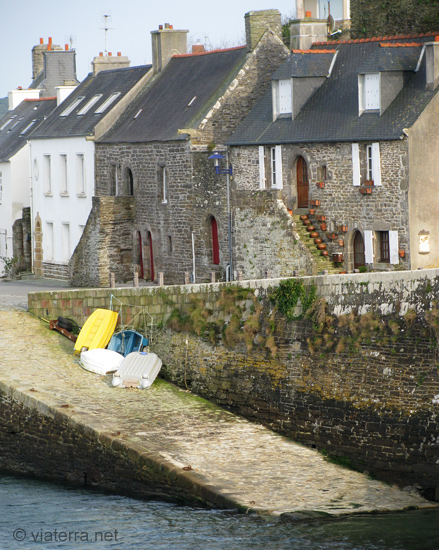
(45, 516)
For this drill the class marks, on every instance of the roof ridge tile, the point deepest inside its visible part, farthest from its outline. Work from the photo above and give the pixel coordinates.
(196, 54)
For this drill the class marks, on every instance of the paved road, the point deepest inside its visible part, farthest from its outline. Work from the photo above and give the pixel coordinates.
(243, 462)
(13, 293)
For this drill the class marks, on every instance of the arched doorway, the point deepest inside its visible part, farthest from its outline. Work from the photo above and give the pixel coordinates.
(215, 243)
(149, 258)
(138, 249)
(359, 258)
(302, 183)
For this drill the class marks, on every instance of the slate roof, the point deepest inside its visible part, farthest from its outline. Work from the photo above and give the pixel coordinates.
(105, 83)
(331, 114)
(393, 58)
(178, 98)
(305, 63)
(17, 130)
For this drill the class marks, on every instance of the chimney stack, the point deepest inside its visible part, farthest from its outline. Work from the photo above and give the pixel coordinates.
(257, 22)
(109, 62)
(167, 42)
(38, 57)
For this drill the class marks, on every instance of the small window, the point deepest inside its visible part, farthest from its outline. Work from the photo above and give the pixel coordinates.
(129, 181)
(48, 249)
(285, 106)
(107, 103)
(273, 166)
(16, 123)
(47, 174)
(321, 173)
(162, 182)
(8, 122)
(270, 167)
(169, 243)
(64, 188)
(28, 127)
(72, 106)
(80, 174)
(65, 241)
(90, 104)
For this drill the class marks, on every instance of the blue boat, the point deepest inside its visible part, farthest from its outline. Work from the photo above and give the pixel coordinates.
(127, 341)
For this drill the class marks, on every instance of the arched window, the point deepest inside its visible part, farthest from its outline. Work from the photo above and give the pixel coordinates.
(215, 243)
(359, 258)
(129, 181)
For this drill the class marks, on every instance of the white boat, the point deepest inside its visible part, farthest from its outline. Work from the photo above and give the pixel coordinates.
(139, 369)
(100, 361)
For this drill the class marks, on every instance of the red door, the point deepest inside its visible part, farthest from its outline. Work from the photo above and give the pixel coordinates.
(150, 255)
(302, 183)
(140, 255)
(215, 244)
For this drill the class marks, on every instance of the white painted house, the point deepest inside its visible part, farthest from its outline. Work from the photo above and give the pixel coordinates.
(63, 157)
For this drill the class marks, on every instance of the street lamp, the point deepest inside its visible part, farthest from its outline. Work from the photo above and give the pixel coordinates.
(216, 157)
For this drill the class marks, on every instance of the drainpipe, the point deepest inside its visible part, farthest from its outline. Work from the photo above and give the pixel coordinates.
(193, 257)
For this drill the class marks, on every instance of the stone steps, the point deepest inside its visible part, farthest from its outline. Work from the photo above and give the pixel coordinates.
(324, 263)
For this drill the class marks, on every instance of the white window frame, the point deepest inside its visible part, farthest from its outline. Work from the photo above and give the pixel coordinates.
(373, 161)
(262, 178)
(47, 172)
(64, 174)
(164, 182)
(72, 106)
(107, 103)
(80, 175)
(369, 92)
(89, 104)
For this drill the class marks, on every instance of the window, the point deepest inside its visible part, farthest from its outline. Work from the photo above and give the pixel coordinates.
(89, 104)
(321, 173)
(381, 246)
(72, 106)
(383, 237)
(80, 174)
(114, 184)
(162, 181)
(63, 175)
(107, 103)
(49, 241)
(65, 242)
(8, 122)
(270, 167)
(129, 181)
(366, 163)
(285, 106)
(47, 174)
(169, 243)
(28, 127)
(369, 92)
(16, 123)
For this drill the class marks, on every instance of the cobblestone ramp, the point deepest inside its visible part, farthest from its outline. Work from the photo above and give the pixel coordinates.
(240, 463)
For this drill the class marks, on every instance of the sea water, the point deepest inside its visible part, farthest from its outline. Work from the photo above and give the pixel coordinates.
(41, 515)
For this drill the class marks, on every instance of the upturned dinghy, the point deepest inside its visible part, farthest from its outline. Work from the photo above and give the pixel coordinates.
(97, 330)
(127, 341)
(138, 370)
(100, 361)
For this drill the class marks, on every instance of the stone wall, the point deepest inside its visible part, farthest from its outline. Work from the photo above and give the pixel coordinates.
(340, 201)
(106, 244)
(360, 381)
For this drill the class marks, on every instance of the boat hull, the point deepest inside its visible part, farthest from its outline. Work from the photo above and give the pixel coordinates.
(100, 361)
(138, 370)
(97, 330)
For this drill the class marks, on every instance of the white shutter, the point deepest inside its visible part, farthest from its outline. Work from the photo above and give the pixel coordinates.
(393, 247)
(376, 164)
(284, 96)
(372, 89)
(368, 247)
(356, 163)
(262, 184)
(279, 182)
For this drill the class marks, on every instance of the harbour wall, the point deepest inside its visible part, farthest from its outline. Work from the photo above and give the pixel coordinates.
(355, 376)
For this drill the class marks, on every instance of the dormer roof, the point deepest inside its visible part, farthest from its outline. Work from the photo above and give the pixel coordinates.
(306, 63)
(331, 114)
(392, 57)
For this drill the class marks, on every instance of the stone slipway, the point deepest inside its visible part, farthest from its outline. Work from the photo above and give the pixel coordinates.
(197, 449)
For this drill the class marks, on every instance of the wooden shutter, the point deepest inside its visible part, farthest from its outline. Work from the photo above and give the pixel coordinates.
(368, 247)
(285, 96)
(376, 164)
(393, 247)
(262, 182)
(356, 163)
(278, 153)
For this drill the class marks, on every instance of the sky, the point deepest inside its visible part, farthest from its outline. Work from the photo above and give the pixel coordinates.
(81, 24)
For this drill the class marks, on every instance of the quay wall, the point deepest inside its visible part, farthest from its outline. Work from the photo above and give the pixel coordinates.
(358, 380)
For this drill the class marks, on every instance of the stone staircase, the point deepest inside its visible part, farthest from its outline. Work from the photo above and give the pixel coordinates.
(323, 263)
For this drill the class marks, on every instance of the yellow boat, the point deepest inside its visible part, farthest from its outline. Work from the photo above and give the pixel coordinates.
(97, 330)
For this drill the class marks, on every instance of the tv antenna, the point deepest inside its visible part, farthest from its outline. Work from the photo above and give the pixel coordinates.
(106, 29)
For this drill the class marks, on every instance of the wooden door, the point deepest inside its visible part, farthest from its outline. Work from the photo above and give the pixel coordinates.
(359, 258)
(141, 274)
(302, 183)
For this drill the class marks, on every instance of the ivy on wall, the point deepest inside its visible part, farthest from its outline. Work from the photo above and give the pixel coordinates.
(371, 18)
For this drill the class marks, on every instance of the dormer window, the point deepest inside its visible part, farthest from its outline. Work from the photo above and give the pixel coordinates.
(285, 97)
(369, 92)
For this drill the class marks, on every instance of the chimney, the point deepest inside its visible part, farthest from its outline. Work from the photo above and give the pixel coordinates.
(59, 66)
(432, 64)
(167, 42)
(257, 22)
(198, 48)
(109, 62)
(15, 97)
(38, 58)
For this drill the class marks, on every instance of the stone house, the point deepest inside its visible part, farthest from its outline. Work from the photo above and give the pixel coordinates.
(347, 135)
(160, 207)
(62, 153)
